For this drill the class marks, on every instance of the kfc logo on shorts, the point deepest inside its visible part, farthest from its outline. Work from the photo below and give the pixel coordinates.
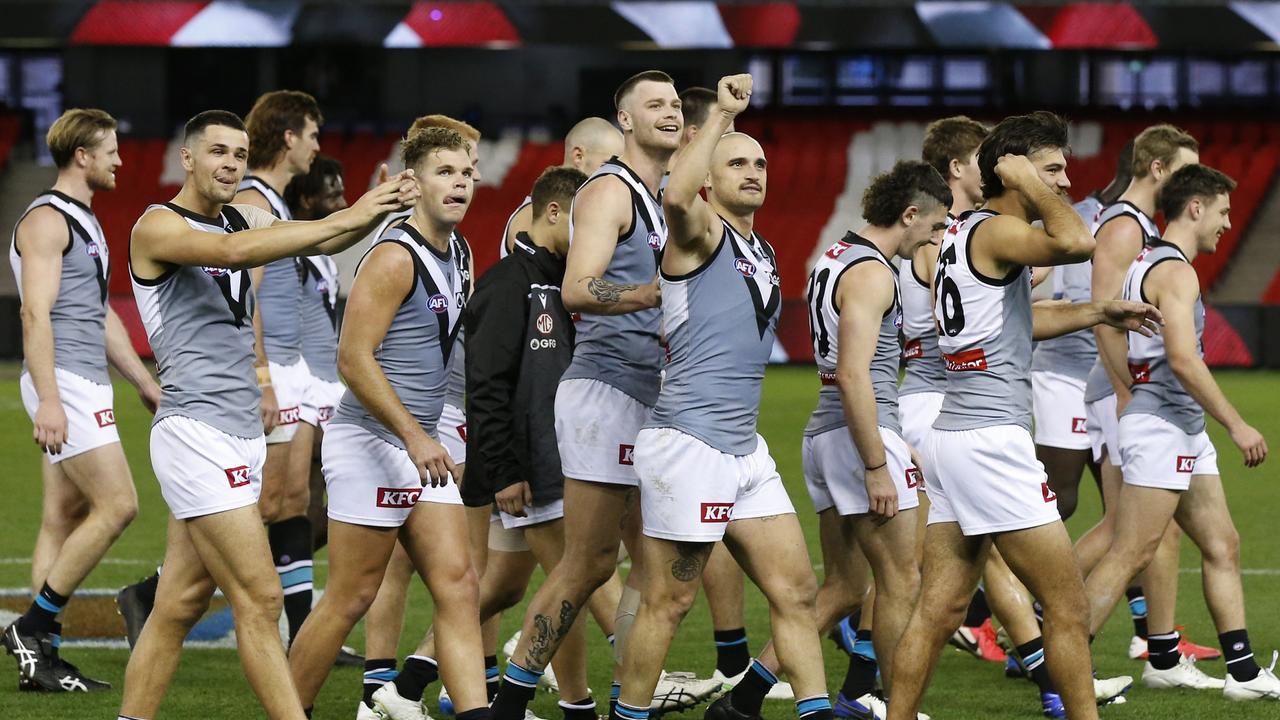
(438, 303)
(915, 478)
(1078, 426)
(397, 497)
(237, 476)
(324, 413)
(655, 241)
(1186, 463)
(1049, 494)
(912, 350)
(1141, 372)
(462, 431)
(975, 359)
(626, 454)
(289, 416)
(745, 267)
(544, 324)
(716, 512)
(105, 418)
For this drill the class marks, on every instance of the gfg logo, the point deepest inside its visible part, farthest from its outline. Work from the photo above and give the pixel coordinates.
(438, 303)
(543, 344)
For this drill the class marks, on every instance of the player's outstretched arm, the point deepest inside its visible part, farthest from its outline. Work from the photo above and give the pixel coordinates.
(385, 278)
(601, 213)
(41, 238)
(864, 293)
(161, 239)
(1174, 287)
(690, 220)
(409, 192)
(1051, 319)
(1118, 243)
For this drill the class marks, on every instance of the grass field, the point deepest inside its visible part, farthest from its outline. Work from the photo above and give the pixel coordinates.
(210, 683)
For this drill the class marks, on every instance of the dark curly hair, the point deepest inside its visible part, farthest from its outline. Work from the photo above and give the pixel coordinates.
(312, 182)
(1191, 181)
(910, 182)
(1018, 135)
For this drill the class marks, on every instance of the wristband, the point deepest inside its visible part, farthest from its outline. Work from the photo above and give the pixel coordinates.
(264, 375)
(886, 462)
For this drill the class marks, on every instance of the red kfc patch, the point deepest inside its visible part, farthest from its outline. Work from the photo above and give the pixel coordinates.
(105, 418)
(397, 497)
(1186, 463)
(237, 476)
(1049, 494)
(716, 512)
(915, 478)
(462, 432)
(1078, 426)
(626, 454)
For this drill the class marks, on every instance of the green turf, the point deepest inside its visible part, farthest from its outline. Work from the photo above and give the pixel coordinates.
(210, 683)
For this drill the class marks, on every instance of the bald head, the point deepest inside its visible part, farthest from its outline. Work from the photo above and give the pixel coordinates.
(739, 173)
(590, 143)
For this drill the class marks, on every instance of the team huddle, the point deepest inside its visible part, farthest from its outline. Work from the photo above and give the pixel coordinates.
(596, 393)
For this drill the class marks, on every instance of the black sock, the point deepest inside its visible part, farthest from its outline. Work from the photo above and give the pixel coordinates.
(480, 713)
(1032, 654)
(147, 590)
(1137, 610)
(579, 709)
(860, 678)
(1239, 655)
(518, 687)
(732, 654)
(418, 673)
(307, 711)
(748, 696)
(377, 673)
(817, 707)
(1162, 651)
(978, 609)
(492, 676)
(290, 542)
(42, 616)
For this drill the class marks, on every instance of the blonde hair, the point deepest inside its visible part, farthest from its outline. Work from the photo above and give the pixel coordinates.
(1159, 142)
(468, 133)
(77, 128)
(419, 145)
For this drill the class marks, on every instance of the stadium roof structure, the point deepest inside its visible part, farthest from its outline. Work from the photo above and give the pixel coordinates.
(808, 24)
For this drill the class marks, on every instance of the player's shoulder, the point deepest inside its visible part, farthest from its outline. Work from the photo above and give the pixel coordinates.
(44, 228)
(253, 215)
(251, 195)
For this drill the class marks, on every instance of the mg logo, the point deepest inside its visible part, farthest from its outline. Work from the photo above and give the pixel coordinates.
(626, 454)
(915, 478)
(545, 324)
(105, 418)
(237, 476)
(438, 303)
(397, 497)
(745, 266)
(1078, 426)
(716, 512)
(1186, 463)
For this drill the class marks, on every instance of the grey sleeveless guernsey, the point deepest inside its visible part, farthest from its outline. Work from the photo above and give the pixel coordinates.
(720, 322)
(280, 293)
(319, 316)
(1098, 385)
(414, 355)
(984, 335)
(455, 393)
(199, 321)
(924, 371)
(79, 313)
(1156, 390)
(824, 321)
(623, 350)
(1073, 354)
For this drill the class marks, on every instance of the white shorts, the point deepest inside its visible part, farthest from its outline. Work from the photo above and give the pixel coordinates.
(833, 472)
(203, 470)
(1100, 420)
(452, 429)
(290, 385)
(502, 539)
(372, 482)
(1059, 411)
(917, 411)
(690, 491)
(1158, 454)
(89, 407)
(319, 400)
(988, 480)
(534, 515)
(596, 427)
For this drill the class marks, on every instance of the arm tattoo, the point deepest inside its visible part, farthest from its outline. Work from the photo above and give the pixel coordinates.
(693, 557)
(606, 292)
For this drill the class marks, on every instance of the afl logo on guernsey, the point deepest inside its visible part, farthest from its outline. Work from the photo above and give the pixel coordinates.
(438, 303)
(91, 249)
(322, 287)
(745, 267)
(897, 320)
(545, 324)
(655, 241)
